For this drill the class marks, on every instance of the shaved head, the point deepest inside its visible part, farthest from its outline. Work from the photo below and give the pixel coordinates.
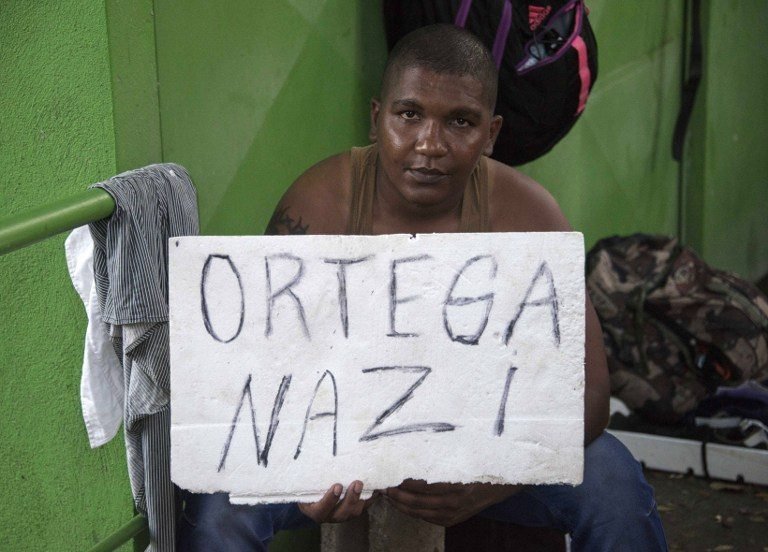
(443, 49)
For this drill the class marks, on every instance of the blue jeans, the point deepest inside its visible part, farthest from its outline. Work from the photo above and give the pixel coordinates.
(613, 509)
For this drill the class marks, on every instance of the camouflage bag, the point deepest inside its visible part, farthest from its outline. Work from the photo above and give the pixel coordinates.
(674, 328)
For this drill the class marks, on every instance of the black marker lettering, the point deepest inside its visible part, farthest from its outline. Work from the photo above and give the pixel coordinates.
(262, 456)
(550, 300)
(451, 301)
(503, 405)
(204, 299)
(284, 290)
(341, 275)
(394, 300)
(398, 404)
(334, 412)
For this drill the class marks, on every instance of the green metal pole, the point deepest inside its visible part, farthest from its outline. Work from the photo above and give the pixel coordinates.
(43, 222)
(128, 531)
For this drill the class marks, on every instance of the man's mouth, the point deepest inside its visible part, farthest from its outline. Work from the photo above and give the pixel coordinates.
(424, 175)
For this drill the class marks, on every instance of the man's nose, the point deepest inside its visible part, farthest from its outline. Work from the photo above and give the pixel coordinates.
(430, 141)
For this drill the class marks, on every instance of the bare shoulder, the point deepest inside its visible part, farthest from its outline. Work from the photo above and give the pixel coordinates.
(317, 202)
(520, 204)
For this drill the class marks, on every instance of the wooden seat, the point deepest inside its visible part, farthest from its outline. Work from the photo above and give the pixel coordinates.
(487, 535)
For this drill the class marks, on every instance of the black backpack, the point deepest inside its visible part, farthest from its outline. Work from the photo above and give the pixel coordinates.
(546, 54)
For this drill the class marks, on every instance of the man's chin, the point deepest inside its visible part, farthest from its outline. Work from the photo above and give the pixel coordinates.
(428, 198)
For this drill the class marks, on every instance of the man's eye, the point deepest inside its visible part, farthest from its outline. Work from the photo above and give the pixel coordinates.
(461, 122)
(408, 114)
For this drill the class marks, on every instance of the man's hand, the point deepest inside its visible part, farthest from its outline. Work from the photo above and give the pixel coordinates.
(446, 504)
(334, 509)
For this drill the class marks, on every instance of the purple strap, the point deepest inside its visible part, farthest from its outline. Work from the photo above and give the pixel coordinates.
(461, 15)
(501, 33)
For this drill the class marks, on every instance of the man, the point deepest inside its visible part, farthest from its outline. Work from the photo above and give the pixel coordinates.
(427, 171)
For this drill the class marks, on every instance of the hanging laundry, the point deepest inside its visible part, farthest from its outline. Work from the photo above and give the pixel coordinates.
(130, 263)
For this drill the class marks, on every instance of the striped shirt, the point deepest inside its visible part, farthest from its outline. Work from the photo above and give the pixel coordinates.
(130, 265)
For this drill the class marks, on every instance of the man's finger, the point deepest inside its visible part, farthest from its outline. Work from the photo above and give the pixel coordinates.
(321, 510)
(350, 505)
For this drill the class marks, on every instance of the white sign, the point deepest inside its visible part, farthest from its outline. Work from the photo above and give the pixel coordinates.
(301, 361)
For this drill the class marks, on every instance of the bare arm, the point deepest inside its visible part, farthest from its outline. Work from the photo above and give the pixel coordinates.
(316, 203)
(284, 223)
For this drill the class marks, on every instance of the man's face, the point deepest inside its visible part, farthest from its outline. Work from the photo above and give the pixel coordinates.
(431, 129)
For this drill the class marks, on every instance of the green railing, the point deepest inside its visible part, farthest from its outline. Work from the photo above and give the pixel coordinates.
(135, 529)
(24, 229)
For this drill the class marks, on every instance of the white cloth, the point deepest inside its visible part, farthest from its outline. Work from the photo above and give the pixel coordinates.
(101, 383)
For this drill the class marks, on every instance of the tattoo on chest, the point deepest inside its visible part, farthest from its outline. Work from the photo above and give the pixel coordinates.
(282, 223)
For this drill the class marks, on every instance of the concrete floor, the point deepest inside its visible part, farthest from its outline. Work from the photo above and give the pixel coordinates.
(701, 515)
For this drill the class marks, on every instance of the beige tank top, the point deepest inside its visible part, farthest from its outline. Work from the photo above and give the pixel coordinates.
(474, 205)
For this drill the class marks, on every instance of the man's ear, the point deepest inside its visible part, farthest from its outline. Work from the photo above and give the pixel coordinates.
(496, 122)
(375, 109)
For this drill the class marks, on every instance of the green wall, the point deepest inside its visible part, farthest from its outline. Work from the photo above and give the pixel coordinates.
(726, 180)
(56, 136)
(253, 95)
